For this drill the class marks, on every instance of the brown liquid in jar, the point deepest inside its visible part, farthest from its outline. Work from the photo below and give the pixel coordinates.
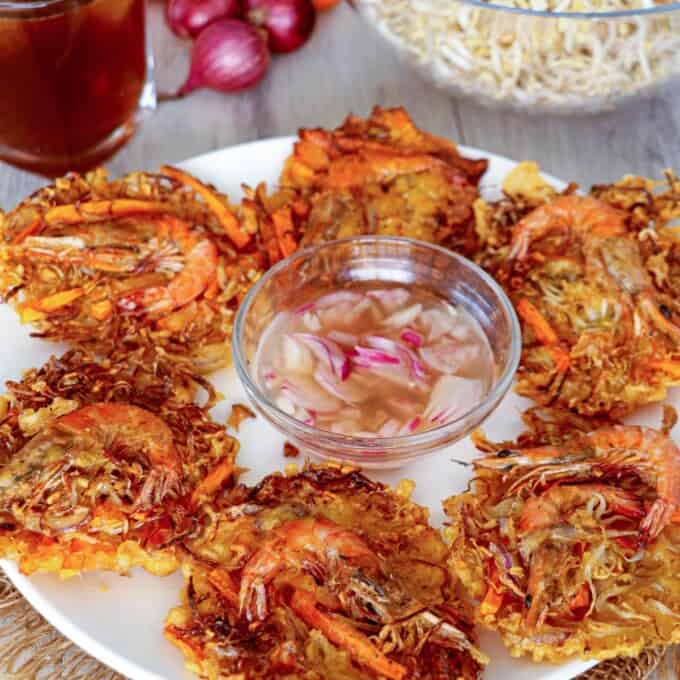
(71, 74)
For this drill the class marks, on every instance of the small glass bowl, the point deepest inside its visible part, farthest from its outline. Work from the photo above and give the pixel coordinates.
(380, 259)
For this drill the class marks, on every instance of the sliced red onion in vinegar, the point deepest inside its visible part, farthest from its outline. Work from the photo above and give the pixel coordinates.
(390, 298)
(327, 352)
(403, 317)
(306, 393)
(346, 340)
(451, 397)
(449, 356)
(412, 337)
(295, 356)
(374, 361)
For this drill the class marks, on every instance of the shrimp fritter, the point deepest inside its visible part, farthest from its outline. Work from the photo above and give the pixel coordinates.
(380, 176)
(104, 464)
(323, 574)
(138, 261)
(595, 284)
(569, 543)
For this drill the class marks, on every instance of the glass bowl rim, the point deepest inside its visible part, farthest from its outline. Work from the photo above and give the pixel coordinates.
(349, 442)
(609, 14)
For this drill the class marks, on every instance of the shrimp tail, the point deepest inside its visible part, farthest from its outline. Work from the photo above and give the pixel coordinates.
(658, 516)
(661, 323)
(253, 602)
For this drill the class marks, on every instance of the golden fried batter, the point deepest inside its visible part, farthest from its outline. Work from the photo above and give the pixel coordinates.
(594, 284)
(323, 574)
(567, 541)
(103, 464)
(381, 176)
(138, 261)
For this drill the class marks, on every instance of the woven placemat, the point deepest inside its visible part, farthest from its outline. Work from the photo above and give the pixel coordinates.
(31, 649)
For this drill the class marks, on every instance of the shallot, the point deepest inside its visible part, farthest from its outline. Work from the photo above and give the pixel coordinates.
(187, 18)
(288, 23)
(229, 55)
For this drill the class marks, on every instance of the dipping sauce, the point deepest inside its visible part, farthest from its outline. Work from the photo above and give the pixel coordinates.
(374, 361)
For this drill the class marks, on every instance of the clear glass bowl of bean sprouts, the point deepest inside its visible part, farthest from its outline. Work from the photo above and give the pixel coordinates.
(392, 341)
(552, 56)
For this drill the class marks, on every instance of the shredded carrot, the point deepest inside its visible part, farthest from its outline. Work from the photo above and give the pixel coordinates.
(76, 213)
(285, 231)
(33, 228)
(543, 330)
(670, 367)
(561, 358)
(494, 597)
(226, 218)
(581, 599)
(345, 636)
(58, 300)
(269, 240)
(224, 584)
(213, 481)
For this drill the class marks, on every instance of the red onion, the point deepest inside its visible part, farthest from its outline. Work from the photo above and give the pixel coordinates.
(368, 358)
(187, 18)
(412, 337)
(404, 316)
(288, 23)
(229, 55)
(390, 298)
(407, 355)
(327, 351)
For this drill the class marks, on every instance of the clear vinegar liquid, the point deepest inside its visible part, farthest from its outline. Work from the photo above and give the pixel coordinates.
(373, 360)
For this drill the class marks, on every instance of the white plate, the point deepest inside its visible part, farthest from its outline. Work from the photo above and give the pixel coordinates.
(119, 619)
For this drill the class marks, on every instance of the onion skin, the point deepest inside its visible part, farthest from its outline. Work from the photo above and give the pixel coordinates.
(228, 56)
(288, 23)
(187, 18)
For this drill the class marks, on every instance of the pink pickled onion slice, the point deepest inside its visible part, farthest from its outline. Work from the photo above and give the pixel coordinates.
(344, 314)
(389, 428)
(436, 323)
(346, 339)
(411, 426)
(307, 416)
(327, 351)
(296, 357)
(347, 391)
(403, 317)
(390, 298)
(311, 321)
(451, 397)
(307, 307)
(412, 337)
(305, 393)
(407, 355)
(369, 358)
(448, 356)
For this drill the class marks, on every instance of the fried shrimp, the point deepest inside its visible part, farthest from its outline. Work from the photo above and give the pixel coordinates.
(380, 175)
(322, 574)
(103, 465)
(599, 336)
(146, 260)
(568, 540)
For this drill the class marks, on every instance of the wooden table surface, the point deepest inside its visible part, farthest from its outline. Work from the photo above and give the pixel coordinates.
(346, 68)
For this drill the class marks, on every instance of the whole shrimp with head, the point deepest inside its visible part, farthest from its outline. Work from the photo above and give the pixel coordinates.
(571, 546)
(611, 255)
(598, 335)
(301, 570)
